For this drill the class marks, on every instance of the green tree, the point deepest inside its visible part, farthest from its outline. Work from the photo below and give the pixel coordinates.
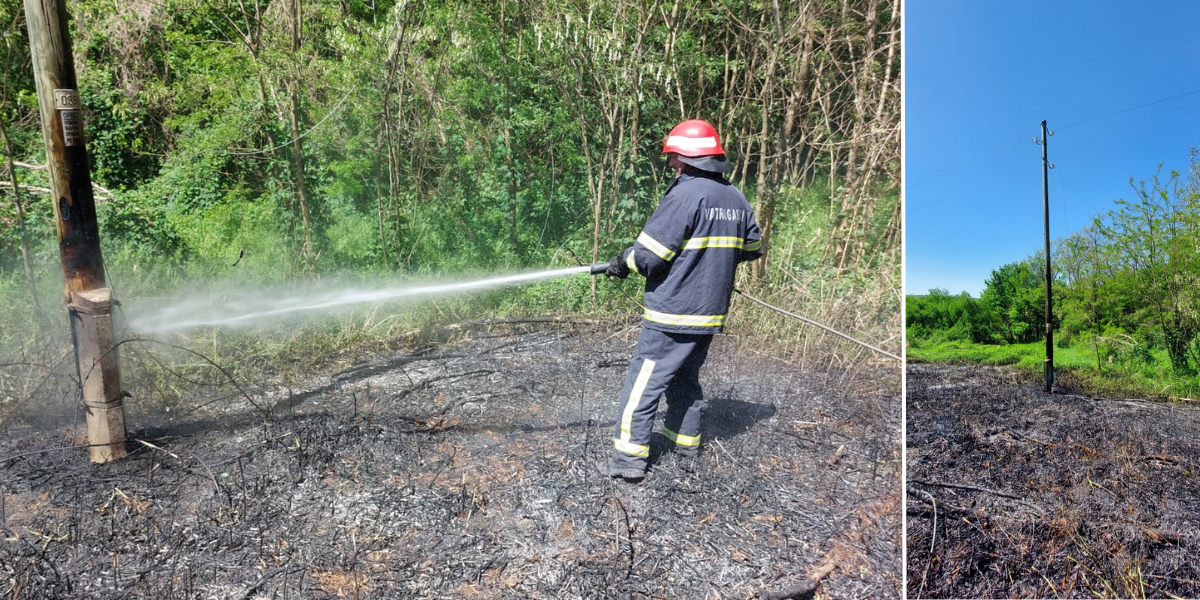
(1016, 294)
(1155, 237)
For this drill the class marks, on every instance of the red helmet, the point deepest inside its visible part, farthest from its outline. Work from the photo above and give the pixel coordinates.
(693, 138)
(695, 143)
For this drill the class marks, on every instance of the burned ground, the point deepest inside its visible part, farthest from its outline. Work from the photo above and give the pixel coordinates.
(468, 470)
(1058, 495)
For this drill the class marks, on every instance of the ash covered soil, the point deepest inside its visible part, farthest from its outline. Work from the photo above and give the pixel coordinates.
(468, 469)
(1074, 496)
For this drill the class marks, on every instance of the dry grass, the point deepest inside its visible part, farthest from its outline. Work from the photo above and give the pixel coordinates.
(1065, 495)
(398, 475)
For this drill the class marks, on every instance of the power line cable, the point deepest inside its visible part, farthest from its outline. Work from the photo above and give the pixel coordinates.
(947, 170)
(911, 210)
(1196, 91)
(301, 136)
(962, 165)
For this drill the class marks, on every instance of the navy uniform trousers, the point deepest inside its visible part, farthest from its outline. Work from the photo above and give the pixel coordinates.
(662, 363)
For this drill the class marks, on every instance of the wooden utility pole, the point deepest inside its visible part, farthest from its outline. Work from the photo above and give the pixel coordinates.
(1046, 227)
(87, 293)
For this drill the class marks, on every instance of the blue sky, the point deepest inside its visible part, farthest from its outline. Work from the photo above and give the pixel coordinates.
(980, 77)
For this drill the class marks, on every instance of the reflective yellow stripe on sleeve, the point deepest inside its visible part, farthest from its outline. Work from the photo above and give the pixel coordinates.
(682, 440)
(685, 320)
(629, 262)
(713, 242)
(662, 251)
(754, 246)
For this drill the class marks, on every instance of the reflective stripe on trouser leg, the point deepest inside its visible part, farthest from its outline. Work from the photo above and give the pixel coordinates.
(631, 445)
(685, 398)
(690, 441)
(659, 356)
(636, 398)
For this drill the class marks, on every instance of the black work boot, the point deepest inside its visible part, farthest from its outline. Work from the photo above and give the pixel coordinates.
(612, 469)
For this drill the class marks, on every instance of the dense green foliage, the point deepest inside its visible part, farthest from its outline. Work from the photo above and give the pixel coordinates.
(269, 141)
(940, 315)
(1011, 310)
(444, 135)
(1126, 288)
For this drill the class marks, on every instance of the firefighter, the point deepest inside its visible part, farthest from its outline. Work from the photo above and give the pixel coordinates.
(688, 252)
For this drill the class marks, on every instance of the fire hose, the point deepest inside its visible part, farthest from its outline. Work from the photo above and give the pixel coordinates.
(816, 324)
(600, 268)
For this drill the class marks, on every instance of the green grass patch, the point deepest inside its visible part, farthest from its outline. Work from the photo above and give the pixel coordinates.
(1025, 356)
(1076, 367)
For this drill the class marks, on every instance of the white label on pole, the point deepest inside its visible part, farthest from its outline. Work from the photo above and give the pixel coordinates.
(72, 127)
(67, 100)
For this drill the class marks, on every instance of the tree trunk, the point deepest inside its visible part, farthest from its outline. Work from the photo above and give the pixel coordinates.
(764, 204)
(764, 192)
(859, 178)
(301, 189)
(788, 132)
(595, 194)
(390, 133)
(506, 120)
(26, 262)
(297, 146)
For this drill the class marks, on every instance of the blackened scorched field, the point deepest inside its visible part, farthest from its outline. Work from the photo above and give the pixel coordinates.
(1040, 495)
(467, 469)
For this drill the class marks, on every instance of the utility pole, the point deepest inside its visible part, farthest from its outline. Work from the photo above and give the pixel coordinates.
(87, 293)
(1046, 227)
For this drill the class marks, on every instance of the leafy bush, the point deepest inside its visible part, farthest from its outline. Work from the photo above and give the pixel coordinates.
(940, 316)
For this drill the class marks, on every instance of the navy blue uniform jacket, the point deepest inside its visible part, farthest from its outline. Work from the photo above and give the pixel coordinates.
(689, 250)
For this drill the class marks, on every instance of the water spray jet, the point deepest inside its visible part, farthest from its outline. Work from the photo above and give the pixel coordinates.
(251, 307)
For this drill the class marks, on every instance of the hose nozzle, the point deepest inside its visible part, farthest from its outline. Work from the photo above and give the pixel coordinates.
(599, 268)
